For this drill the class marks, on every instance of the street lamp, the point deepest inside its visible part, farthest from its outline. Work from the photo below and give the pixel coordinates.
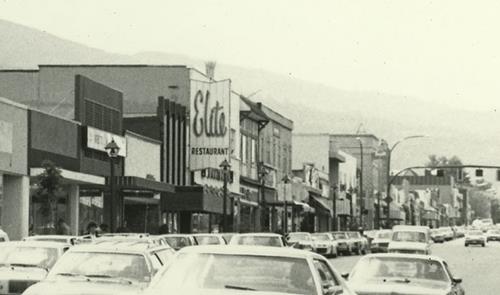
(286, 180)
(262, 177)
(361, 205)
(112, 149)
(388, 198)
(225, 167)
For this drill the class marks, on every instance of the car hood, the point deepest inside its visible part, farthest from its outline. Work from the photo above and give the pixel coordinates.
(200, 291)
(400, 288)
(77, 287)
(22, 274)
(376, 241)
(407, 245)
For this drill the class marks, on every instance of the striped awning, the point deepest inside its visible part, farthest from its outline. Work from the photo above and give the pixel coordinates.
(138, 183)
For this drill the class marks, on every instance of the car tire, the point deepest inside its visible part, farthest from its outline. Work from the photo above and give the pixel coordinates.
(466, 245)
(483, 244)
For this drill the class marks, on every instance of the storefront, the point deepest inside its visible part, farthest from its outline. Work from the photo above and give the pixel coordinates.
(14, 182)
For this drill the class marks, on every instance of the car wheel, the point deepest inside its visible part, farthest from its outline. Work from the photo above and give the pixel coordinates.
(466, 245)
(484, 245)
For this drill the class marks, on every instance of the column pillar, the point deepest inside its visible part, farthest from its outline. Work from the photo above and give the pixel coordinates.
(74, 208)
(15, 212)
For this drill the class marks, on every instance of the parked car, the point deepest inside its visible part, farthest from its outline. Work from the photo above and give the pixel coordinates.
(403, 274)
(209, 239)
(437, 235)
(300, 240)
(475, 237)
(360, 242)
(70, 240)
(241, 270)
(227, 236)
(4, 237)
(380, 242)
(344, 244)
(325, 244)
(259, 239)
(448, 233)
(126, 267)
(493, 235)
(179, 241)
(23, 264)
(410, 239)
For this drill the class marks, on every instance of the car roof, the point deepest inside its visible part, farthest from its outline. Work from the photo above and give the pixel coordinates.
(404, 255)
(50, 237)
(176, 235)
(41, 244)
(410, 228)
(125, 248)
(250, 250)
(259, 235)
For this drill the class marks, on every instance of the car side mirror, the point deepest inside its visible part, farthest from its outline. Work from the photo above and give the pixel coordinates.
(457, 280)
(345, 275)
(329, 289)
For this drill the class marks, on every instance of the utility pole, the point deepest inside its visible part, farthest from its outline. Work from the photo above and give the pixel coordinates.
(361, 192)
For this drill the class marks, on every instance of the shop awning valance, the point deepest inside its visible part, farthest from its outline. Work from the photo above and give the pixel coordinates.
(138, 183)
(322, 204)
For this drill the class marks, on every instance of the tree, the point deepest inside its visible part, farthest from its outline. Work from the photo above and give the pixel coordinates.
(441, 161)
(49, 184)
(480, 198)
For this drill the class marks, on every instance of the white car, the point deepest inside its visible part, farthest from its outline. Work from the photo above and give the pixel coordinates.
(325, 244)
(70, 240)
(248, 270)
(403, 274)
(23, 264)
(300, 240)
(493, 235)
(209, 239)
(258, 239)
(475, 237)
(380, 242)
(110, 267)
(410, 239)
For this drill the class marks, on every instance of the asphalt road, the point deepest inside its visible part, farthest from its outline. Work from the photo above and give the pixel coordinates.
(478, 267)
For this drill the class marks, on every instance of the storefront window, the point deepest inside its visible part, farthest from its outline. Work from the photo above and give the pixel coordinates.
(41, 219)
(91, 205)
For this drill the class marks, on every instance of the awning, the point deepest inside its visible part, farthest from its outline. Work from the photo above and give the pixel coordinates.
(322, 204)
(72, 177)
(248, 203)
(138, 183)
(141, 201)
(197, 198)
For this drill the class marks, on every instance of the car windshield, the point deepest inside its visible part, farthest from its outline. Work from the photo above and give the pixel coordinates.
(353, 235)
(339, 236)
(321, 237)
(475, 233)
(178, 242)
(207, 240)
(409, 236)
(130, 267)
(398, 269)
(256, 241)
(238, 272)
(41, 257)
(299, 237)
(494, 231)
(384, 235)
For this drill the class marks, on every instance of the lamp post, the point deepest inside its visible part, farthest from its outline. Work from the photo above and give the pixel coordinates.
(286, 180)
(262, 177)
(225, 167)
(388, 198)
(112, 149)
(334, 207)
(361, 199)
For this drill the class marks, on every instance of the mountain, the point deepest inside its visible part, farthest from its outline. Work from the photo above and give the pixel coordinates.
(312, 106)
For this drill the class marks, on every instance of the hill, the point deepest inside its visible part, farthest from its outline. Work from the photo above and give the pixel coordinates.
(313, 107)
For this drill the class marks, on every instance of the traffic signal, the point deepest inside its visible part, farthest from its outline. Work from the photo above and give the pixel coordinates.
(440, 173)
(479, 172)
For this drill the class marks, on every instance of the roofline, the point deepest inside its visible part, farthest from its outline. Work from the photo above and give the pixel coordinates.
(19, 70)
(14, 104)
(139, 115)
(264, 107)
(111, 65)
(143, 137)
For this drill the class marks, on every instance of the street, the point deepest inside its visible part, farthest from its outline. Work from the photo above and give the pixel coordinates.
(477, 266)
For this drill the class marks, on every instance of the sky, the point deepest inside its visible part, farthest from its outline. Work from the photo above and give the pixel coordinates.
(443, 51)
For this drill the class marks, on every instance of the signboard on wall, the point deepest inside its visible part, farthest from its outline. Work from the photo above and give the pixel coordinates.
(6, 137)
(98, 139)
(209, 123)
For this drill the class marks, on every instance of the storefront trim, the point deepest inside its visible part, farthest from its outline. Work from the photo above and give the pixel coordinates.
(73, 177)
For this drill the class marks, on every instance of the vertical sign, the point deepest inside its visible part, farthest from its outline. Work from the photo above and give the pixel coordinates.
(209, 123)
